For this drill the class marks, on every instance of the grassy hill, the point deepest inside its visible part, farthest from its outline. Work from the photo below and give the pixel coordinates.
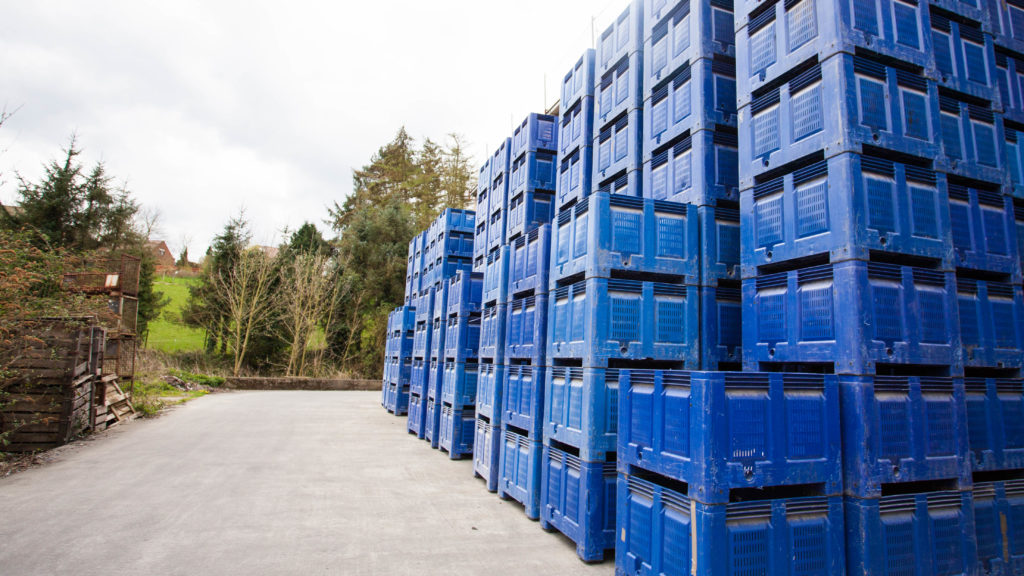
(167, 333)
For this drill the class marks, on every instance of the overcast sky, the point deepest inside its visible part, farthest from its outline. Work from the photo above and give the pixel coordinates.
(208, 107)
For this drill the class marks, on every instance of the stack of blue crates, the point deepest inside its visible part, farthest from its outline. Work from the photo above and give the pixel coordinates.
(461, 364)
(398, 360)
(419, 378)
(576, 134)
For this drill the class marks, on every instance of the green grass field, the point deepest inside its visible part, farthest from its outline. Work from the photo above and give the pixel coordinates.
(168, 335)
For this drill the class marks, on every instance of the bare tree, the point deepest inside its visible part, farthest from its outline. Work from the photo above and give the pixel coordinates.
(306, 298)
(250, 302)
(148, 222)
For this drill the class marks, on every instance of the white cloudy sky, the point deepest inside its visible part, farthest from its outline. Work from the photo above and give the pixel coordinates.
(207, 107)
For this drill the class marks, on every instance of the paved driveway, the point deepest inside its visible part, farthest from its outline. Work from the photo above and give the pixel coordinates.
(254, 483)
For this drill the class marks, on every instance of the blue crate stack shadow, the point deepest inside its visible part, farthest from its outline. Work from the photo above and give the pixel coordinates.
(751, 300)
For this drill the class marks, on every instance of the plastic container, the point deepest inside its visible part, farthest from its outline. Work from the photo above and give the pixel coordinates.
(578, 83)
(1009, 68)
(624, 37)
(447, 266)
(398, 398)
(678, 31)
(460, 384)
(531, 172)
(719, 243)
(1014, 134)
(991, 323)
(724, 431)
(1000, 543)
(439, 325)
(575, 174)
(419, 376)
(536, 133)
(838, 105)
(576, 127)
(455, 220)
(847, 206)
(462, 338)
(432, 422)
(899, 429)
(527, 210)
(721, 328)
(465, 293)
(497, 230)
(853, 315)
(458, 429)
(1007, 23)
(578, 499)
(421, 339)
(501, 163)
(983, 228)
(530, 262)
(417, 415)
(623, 184)
(581, 410)
(486, 452)
(490, 383)
(618, 146)
(662, 531)
(915, 534)
(520, 471)
(620, 89)
(609, 232)
(697, 95)
(995, 423)
(964, 55)
(492, 332)
(496, 277)
(526, 338)
(601, 319)
(700, 168)
(457, 243)
(972, 138)
(523, 399)
(480, 243)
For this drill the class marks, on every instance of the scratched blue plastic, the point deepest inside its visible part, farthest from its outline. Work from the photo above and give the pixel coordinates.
(462, 337)
(972, 138)
(698, 95)
(918, 534)
(983, 228)
(575, 176)
(530, 262)
(460, 383)
(458, 428)
(538, 132)
(526, 336)
(578, 83)
(662, 531)
(601, 319)
(578, 499)
(419, 376)
(853, 315)
(625, 36)
(490, 385)
(523, 398)
(843, 104)
(1000, 542)
(723, 431)
(608, 232)
(487, 452)
(697, 168)
(496, 276)
(527, 210)
(1006, 21)
(899, 429)
(493, 320)
(991, 323)
(520, 466)
(618, 146)
(1008, 70)
(995, 423)
(620, 89)
(465, 293)
(847, 206)
(774, 37)
(964, 54)
(417, 415)
(581, 409)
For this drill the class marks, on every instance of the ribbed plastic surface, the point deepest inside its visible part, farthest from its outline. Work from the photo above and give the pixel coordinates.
(523, 398)
(991, 323)
(998, 510)
(697, 95)
(995, 423)
(697, 168)
(486, 453)
(520, 471)
(490, 383)
(458, 430)
(526, 336)
(578, 499)
(530, 262)
(972, 138)
(618, 146)
(460, 384)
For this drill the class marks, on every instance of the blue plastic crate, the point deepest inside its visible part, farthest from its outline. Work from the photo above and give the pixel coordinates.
(964, 54)
(1009, 70)
(401, 370)
(492, 332)
(417, 415)
(625, 36)
(662, 531)
(899, 429)
(577, 84)
(458, 429)
(999, 531)
(523, 398)
(991, 323)
(623, 184)
(719, 243)
(462, 338)
(974, 10)
(601, 319)
(419, 376)
(581, 409)
(460, 383)
(384, 387)
(398, 399)
(576, 127)
(530, 262)
(1018, 220)
(678, 32)
(497, 229)
(618, 146)
(847, 206)
(995, 423)
(501, 163)
(402, 319)
(483, 185)
(1006, 20)
(526, 337)
(520, 466)
(608, 232)
(723, 431)
(699, 168)
(972, 138)
(721, 326)
(531, 172)
(432, 422)
(914, 534)
(578, 499)
(844, 104)
(455, 220)
(486, 452)
(620, 89)
(490, 384)
(983, 228)
(496, 276)
(1013, 135)
(527, 210)
(774, 37)
(538, 132)
(465, 293)
(455, 243)
(421, 340)
(698, 95)
(852, 315)
(438, 336)
(575, 174)
(447, 266)
(480, 246)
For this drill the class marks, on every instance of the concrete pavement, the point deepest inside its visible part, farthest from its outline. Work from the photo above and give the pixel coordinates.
(254, 483)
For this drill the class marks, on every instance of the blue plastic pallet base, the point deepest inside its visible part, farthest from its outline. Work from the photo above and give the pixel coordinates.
(489, 389)
(530, 262)
(1000, 552)
(899, 429)
(696, 95)
(523, 398)
(526, 335)
(417, 416)
(916, 534)
(696, 168)
(581, 409)
(661, 531)
(725, 431)
(520, 471)
(460, 383)
(486, 453)
(578, 499)
(458, 429)
(991, 323)
(995, 423)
